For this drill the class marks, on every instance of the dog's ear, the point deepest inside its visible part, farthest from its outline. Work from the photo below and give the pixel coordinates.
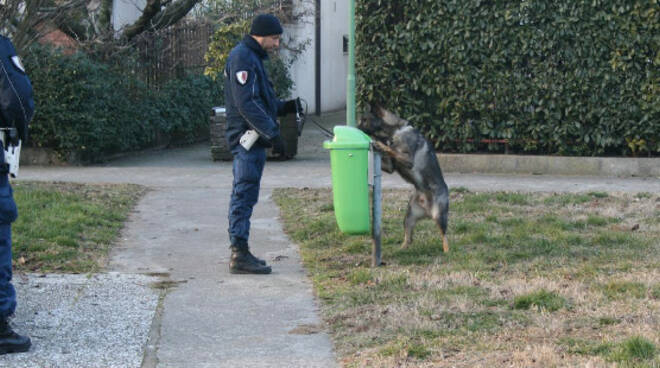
(377, 110)
(390, 119)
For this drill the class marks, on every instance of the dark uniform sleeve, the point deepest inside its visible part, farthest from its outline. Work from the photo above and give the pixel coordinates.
(247, 97)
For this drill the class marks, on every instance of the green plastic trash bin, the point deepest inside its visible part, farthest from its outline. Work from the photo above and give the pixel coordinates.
(349, 152)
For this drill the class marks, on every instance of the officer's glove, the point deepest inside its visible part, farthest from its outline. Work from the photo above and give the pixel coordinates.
(278, 146)
(291, 106)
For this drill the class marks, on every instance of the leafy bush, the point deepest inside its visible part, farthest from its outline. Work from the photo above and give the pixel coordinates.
(185, 105)
(560, 77)
(87, 110)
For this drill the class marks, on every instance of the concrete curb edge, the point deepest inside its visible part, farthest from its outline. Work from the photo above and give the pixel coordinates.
(550, 165)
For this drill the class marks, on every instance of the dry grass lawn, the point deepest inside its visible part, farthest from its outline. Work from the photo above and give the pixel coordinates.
(531, 280)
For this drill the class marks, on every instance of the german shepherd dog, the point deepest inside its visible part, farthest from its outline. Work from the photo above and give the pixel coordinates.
(406, 151)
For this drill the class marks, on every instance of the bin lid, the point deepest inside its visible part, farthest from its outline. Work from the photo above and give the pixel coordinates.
(347, 137)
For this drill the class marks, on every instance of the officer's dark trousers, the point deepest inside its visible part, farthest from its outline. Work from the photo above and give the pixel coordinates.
(7, 215)
(247, 168)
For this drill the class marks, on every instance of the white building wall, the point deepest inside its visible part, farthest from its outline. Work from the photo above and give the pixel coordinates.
(302, 70)
(126, 12)
(334, 63)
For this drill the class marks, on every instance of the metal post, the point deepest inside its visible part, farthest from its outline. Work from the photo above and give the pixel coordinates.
(317, 58)
(350, 80)
(377, 213)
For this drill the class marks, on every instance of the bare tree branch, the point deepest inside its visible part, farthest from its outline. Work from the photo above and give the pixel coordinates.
(155, 17)
(24, 21)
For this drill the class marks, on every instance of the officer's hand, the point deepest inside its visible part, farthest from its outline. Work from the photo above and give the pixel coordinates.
(278, 146)
(291, 106)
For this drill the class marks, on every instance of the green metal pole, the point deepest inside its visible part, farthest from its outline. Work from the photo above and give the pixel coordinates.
(350, 80)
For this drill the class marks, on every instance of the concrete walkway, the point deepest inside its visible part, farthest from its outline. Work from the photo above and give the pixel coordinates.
(183, 308)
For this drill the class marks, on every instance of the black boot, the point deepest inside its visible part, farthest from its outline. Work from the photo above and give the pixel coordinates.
(249, 254)
(242, 261)
(254, 258)
(10, 341)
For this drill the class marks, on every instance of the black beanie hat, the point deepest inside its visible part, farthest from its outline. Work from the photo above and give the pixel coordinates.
(265, 25)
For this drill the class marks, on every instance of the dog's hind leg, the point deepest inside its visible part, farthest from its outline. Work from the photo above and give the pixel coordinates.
(416, 211)
(439, 215)
(445, 243)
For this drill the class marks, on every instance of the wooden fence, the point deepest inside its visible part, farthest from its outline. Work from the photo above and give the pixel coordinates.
(172, 52)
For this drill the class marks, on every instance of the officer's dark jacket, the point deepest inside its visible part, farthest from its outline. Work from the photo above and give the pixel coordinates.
(252, 105)
(16, 95)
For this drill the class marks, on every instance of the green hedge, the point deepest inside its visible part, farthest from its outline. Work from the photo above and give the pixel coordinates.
(87, 111)
(553, 77)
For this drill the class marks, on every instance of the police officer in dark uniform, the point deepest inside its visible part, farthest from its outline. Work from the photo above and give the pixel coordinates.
(252, 110)
(10, 90)
(10, 341)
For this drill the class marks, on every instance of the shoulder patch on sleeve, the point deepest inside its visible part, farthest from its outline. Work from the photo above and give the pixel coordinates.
(242, 77)
(17, 63)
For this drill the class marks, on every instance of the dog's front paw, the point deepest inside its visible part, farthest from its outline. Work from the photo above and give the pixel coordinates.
(400, 158)
(381, 147)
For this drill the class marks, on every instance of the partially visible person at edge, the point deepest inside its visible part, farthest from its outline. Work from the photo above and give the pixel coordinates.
(10, 341)
(251, 105)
